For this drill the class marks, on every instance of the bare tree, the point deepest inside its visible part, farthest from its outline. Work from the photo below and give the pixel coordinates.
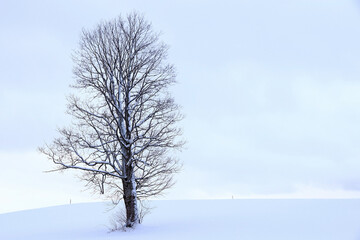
(124, 130)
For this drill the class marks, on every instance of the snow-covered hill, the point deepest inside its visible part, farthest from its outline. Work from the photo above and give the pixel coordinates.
(194, 219)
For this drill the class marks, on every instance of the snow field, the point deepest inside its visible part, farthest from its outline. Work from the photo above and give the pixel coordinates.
(194, 219)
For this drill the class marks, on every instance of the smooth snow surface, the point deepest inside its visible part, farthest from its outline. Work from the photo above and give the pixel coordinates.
(194, 219)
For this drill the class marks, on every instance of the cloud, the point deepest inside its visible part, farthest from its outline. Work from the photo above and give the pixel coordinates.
(270, 90)
(25, 184)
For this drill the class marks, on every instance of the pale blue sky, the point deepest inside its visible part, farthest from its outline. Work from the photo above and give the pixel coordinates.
(270, 90)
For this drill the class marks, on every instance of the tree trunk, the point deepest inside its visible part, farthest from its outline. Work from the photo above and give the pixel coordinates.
(130, 200)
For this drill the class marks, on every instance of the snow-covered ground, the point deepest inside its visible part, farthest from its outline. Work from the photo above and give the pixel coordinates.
(194, 219)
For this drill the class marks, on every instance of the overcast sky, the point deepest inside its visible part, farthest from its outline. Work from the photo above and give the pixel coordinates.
(270, 90)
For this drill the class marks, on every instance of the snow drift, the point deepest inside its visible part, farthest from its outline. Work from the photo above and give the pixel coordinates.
(194, 219)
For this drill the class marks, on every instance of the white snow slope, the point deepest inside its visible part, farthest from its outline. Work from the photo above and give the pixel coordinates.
(194, 219)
